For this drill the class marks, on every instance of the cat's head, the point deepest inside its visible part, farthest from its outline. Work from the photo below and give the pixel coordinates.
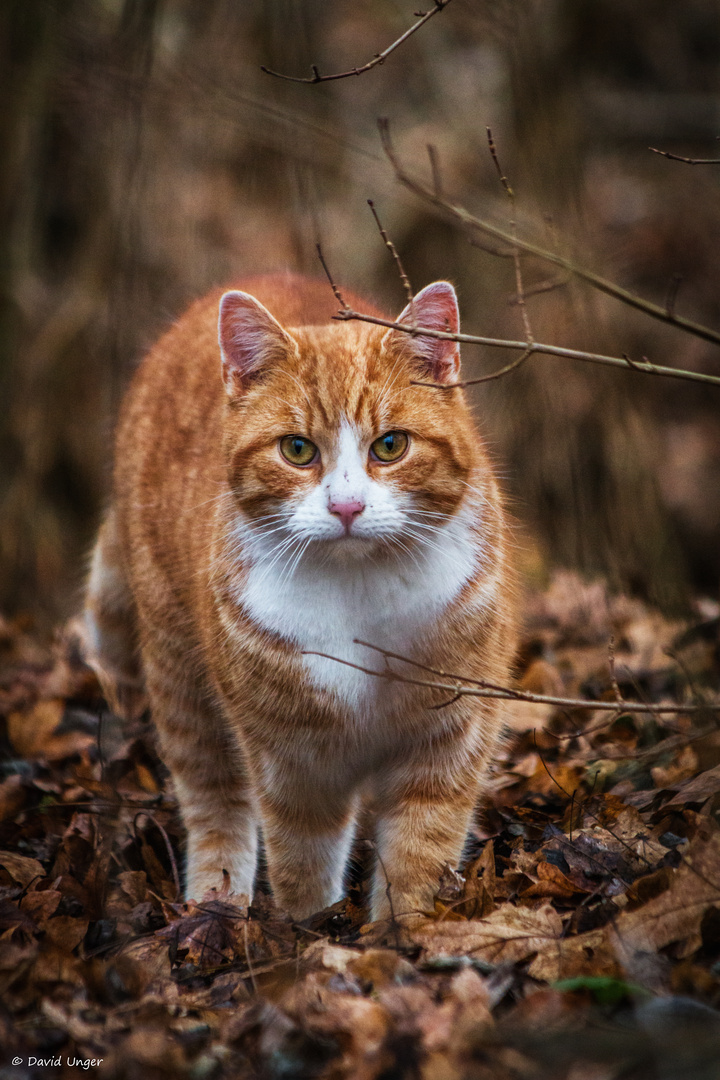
(328, 440)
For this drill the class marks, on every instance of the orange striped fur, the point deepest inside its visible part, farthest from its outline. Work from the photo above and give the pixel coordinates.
(223, 567)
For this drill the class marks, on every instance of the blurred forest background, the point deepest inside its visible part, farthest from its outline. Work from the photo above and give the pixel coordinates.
(146, 158)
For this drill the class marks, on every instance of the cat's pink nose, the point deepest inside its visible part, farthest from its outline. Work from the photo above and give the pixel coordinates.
(347, 510)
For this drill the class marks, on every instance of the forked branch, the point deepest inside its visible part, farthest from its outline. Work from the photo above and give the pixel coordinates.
(464, 686)
(469, 221)
(379, 58)
(526, 348)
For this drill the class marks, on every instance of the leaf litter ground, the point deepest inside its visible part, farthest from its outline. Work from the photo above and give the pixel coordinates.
(581, 941)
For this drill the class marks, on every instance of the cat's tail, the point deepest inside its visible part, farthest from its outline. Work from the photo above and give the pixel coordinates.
(110, 626)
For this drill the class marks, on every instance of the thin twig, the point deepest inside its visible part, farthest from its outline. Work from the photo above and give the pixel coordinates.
(586, 732)
(398, 262)
(467, 219)
(168, 846)
(687, 160)
(101, 755)
(435, 169)
(623, 843)
(594, 816)
(388, 892)
(336, 292)
(379, 58)
(505, 693)
(247, 958)
(613, 676)
(541, 287)
(519, 284)
(493, 153)
(349, 314)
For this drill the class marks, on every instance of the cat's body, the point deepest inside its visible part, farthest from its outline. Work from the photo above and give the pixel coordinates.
(228, 560)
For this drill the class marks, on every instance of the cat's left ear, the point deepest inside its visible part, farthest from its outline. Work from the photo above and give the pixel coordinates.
(435, 307)
(250, 339)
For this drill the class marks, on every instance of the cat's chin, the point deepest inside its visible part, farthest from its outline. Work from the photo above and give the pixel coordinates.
(354, 549)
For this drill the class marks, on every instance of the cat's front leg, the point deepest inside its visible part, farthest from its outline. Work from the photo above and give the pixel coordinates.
(422, 823)
(308, 830)
(209, 775)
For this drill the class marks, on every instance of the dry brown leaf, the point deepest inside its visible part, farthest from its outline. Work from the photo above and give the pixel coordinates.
(380, 967)
(549, 881)
(321, 954)
(151, 952)
(146, 780)
(33, 733)
(21, 868)
(682, 768)
(627, 843)
(66, 932)
(40, 906)
(554, 779)
(697, 789)
(566, 958)
(12, 797)
(134, 885)
(480, 885)
(360, 1026)
(508, 935)
(676, 915)
(540, 677)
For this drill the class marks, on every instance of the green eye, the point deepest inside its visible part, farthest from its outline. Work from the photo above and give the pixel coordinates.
(390, 447)
(298, 450)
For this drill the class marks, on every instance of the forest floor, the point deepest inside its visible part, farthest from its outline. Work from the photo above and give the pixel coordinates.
(580, 942)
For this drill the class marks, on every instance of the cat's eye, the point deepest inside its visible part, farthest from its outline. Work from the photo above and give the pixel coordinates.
(390, 447)
(298, 450)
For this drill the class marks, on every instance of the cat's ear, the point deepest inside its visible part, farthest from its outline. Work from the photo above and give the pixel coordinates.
(435, 307)
(250, 339)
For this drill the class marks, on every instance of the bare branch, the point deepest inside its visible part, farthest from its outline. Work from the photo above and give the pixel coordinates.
(493, 153)
(394, 252)
(168, 846)
(336, 291)
(687, 160)
(468, 687)
(613, 675)
(468, 220)
(379, 58)
(519, 284)
(435, 168)
(347, 313)
(542, 286)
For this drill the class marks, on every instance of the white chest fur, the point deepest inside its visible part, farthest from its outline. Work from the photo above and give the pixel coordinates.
(324, 607)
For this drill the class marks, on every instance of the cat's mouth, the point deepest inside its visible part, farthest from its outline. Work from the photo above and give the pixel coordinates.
(356, 548)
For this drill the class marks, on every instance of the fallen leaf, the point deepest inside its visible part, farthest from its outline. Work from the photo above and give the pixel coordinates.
(33, 734)
(697, 789)
(12, 796)
(40, 906)
(682, 768)
(507, 935)
(21, 868)
(66, 932)
(321, 954)
(587, 954)
(676, 915)
(550, 881)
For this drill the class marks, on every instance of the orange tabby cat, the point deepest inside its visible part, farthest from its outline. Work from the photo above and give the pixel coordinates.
(287, 493)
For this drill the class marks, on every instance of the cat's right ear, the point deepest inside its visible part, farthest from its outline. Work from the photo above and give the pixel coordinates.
(250, 340)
